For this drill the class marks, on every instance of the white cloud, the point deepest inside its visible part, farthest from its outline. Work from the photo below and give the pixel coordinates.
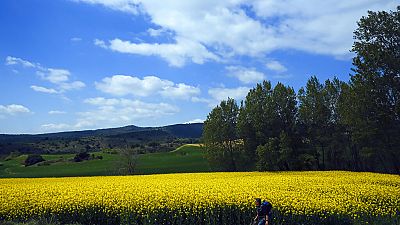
(59, 77)
(121, 85)
(155, 32)
(276, 66)
(220, 94)
(113, 112)
(195, 121)
(127, 6)
(13, 109)
(210, 30)
(245, 75)
(55, 76)
(55, 112)
(121, 111)
(180, 91)
(100, 43)
(18, 61)
(176, 54)
(100, 101)
(201, 100)
(44, 89)
(75, 85)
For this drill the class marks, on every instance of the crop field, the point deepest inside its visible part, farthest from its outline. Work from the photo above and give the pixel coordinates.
(205, 198)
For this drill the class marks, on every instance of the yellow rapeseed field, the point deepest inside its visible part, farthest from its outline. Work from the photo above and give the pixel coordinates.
(208, 195)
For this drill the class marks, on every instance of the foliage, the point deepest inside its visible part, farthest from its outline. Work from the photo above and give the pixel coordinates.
(33, 159)
(331, 125)
(371, 107)
(129, 160)
(220, 136)
(205, 198)
(81, 157)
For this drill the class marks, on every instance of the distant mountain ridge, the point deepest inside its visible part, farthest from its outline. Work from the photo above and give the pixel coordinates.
(180, 130)
(94, 140)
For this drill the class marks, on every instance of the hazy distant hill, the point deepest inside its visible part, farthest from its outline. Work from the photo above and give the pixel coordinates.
(75, 141)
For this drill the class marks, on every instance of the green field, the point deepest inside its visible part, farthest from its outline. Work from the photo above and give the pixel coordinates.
(187, 158)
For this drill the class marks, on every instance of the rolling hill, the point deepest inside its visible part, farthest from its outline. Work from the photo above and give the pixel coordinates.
(149, 139)
(187, 158)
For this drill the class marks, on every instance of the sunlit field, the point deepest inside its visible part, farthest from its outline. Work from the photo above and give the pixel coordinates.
(205, 198)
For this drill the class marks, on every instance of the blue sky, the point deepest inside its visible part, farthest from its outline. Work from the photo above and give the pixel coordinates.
(86, 64)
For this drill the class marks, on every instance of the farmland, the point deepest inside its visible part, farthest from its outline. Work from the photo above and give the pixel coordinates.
(187, 158)
(205, 198)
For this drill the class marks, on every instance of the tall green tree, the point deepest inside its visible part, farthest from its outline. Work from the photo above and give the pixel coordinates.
(374, 118)
(284, 109)
(254, 123)
(338, 151)
(314, 115)
(268, 122)
(220, 137)
(257, 113)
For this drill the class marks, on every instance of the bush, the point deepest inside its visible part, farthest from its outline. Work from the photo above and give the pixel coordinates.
(33, 159)
(81, 157)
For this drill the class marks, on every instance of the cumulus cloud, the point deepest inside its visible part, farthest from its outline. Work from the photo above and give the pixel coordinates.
(13, 109)
(44, 89)
(210, 30)
(245, 75)
(121, 85)
(124, 110)
(113, 112)
(176, 54)
(180, 91)
(58, 77)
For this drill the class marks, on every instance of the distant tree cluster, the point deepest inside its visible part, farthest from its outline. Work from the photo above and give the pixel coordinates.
(333, 125)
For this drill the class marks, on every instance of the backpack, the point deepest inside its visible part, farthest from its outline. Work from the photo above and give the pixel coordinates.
(266, 207)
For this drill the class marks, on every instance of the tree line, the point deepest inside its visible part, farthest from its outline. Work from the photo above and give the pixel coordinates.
(330, 125)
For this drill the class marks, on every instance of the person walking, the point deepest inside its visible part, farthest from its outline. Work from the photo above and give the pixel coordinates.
(263, 212)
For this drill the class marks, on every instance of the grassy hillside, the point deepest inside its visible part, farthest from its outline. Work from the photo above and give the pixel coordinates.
(188, 158)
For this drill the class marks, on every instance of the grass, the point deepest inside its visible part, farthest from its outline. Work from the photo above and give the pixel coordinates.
(187, 158)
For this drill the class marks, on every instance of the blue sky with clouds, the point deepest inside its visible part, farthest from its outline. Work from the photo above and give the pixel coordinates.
(85, 64)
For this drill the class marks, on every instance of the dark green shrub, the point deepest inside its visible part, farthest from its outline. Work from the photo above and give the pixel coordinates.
(81, 157)
(33, 159)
